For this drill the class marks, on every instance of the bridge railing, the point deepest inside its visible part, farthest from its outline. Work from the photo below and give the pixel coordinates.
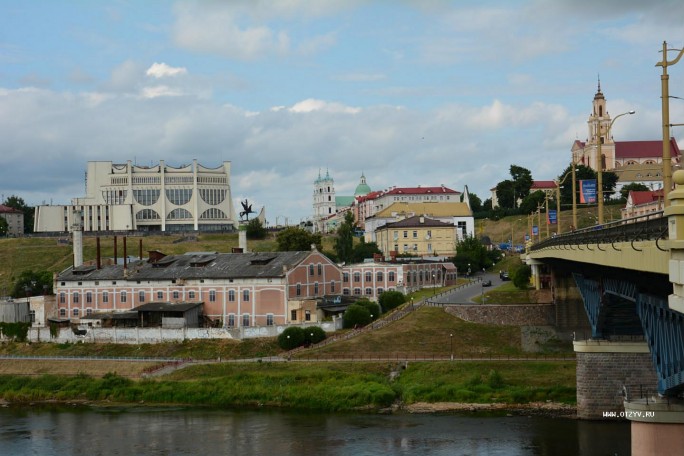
(651, 227)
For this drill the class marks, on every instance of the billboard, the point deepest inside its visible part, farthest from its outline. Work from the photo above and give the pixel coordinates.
(551, 218)
(587, 191)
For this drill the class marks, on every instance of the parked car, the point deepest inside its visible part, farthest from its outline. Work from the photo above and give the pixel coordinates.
(487, 283)
(503, 275)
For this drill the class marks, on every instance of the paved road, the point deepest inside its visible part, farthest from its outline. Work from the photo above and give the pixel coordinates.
(466, 294)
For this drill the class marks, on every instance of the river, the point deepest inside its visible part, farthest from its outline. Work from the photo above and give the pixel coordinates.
(156, 431)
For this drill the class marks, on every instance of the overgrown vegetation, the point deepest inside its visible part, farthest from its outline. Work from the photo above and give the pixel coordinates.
(15, 331)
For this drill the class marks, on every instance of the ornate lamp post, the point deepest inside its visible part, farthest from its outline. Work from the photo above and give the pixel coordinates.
(599, 164)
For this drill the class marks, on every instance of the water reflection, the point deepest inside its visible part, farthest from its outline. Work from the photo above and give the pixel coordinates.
(149, 431)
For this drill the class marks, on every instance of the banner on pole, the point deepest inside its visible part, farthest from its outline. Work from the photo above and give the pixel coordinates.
(587, 191)
(551, 217)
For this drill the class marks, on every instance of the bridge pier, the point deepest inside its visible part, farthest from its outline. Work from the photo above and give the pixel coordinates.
(605, 370)
(657, 425)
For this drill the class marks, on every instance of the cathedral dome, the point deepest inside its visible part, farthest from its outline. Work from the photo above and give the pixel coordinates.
(362, 189)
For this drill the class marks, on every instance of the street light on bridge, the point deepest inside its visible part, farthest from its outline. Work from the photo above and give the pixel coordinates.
(599, 163)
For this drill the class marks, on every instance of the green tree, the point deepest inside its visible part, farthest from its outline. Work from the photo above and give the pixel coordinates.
(291, 338)
(391, 299)
(364, 250)
(255, 230)
(532, 201)
(470, 253)
(373, 308)
(297, 239)
(356, 315)
(3, 227)
(314, 335)
(19, 204)
(475, 202)
(344, 244)
(633, 187)
(505, 194)
(585, 173)
(521, 277)
(508, 192)
(32, 283)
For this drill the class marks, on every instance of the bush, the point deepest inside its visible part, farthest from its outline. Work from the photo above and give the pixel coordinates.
(356, 315)
(372, 307)
(521, 277)
(314, 335)
(15, 331)
(291, 338)
(390, 299)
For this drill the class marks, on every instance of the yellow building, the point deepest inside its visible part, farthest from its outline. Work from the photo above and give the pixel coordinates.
(418, 235)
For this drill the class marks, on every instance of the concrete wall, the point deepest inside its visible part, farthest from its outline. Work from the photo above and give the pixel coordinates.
(514, 315)
(603, 368)
(159, 335)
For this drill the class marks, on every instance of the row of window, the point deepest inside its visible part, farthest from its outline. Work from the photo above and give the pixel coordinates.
(367, 291)
(123, 296)
(230, 322)
(181, 214)
(312, 268)
(298, 288)
(379, 276)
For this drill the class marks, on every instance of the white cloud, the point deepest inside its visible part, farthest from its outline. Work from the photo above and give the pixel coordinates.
(312, 105)
(161, 70)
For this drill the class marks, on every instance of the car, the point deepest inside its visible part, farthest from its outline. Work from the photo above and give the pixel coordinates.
(503, 275)
(487, 283)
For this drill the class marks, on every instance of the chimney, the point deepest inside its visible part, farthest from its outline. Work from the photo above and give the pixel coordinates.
(421, 219)
(77, 234)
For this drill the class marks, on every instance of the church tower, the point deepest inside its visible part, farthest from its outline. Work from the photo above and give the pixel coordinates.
(598, 123)
(323, 199)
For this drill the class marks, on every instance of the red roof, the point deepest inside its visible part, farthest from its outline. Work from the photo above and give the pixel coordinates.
(645, 196)
(370, 196)
(421, 190)
(8, 210)
(638, 149)
(540, 185)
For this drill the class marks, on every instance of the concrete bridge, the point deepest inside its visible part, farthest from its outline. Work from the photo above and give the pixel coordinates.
(630, 278)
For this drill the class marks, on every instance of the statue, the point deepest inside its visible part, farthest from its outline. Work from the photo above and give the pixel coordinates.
(247, 210)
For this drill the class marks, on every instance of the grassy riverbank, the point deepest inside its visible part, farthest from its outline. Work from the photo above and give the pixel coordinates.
(314, 386)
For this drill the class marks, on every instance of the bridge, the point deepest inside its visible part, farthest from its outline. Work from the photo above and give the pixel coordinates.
(630, 276)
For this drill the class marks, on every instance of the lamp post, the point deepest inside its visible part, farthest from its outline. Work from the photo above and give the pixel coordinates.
(451, 340)
(574, 200)
(599, 163)
(664, 81)
(434, 283)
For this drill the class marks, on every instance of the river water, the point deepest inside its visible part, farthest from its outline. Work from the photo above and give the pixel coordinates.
(154, 431)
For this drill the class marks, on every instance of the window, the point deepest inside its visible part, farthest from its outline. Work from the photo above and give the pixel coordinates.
(105, 296)
(75, 311)
(332, 286)
(320, 269)
(390, 276)
(160, 295)
(89, 297)
(32, 314)
(345, 291)
(369, 276)
(76, 297)
(245, 295)
(345, 277)
(141, 296)
(429, 247)
(191, 294)
(293, 315)
(231, 320)
(405, 234)
(245, 319)
(369, 291)
(311, 269)
(396, 247)
(380, 291)
(123, 296)
(89, 311)
(357, 277)
(176, 295)
(379, 276)
(316, 289)
(62, 297)
(231, 295)
(212, 295)
(415, 234)
(357, 291)
(62, 312)
(307, 315)
(405, 247)
(269, 320)
(299, 289)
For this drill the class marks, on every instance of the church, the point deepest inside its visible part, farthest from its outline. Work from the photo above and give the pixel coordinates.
(329, 208)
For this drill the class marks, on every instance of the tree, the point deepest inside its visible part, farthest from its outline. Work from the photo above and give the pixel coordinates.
(3, 227)
(344, 244)
(532, 201)
(356, 315)
(633, 187)
(470, 253)
(475, 202)
(291, 338)
(19, 204)
(255, 230)
(32, 283)
(372, 307)
(521, 277)
(522, 181)
(297, 239)
(391, 299)
(585, 173)
(505, 194)
(364, 250)
(314, 335)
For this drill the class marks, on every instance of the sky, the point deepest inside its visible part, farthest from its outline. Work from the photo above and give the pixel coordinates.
(406, 92)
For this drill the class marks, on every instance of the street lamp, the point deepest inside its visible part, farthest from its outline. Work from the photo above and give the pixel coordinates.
(434, 283)
(574, 197)
(665, 80)
(451, 339)
(599, 163)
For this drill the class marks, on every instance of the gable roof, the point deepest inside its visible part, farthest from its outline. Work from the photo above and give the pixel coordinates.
(415, 222)
(640, 149)
(9, 210)
(543, 185)
(645, 197)
(421, 191)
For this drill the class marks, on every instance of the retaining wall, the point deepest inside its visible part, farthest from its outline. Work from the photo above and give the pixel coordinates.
(513, 314)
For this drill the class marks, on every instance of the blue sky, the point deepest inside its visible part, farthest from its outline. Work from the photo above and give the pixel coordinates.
(407, 92)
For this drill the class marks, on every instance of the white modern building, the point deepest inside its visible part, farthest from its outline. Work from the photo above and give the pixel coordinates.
(125, 197)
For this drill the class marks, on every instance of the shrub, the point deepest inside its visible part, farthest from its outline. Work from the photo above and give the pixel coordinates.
(291, 338)
(521, 277)
(314, 335)
(356, 315)
(372, 307)
(390, 299)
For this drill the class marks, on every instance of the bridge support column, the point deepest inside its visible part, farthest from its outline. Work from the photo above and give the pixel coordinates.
(536, 273)
(657, 425)
(603, 369)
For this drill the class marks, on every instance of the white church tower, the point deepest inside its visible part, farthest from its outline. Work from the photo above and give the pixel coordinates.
(598, 123)
(323, 199)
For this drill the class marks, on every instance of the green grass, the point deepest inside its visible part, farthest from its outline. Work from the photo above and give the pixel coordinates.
(311, 386)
